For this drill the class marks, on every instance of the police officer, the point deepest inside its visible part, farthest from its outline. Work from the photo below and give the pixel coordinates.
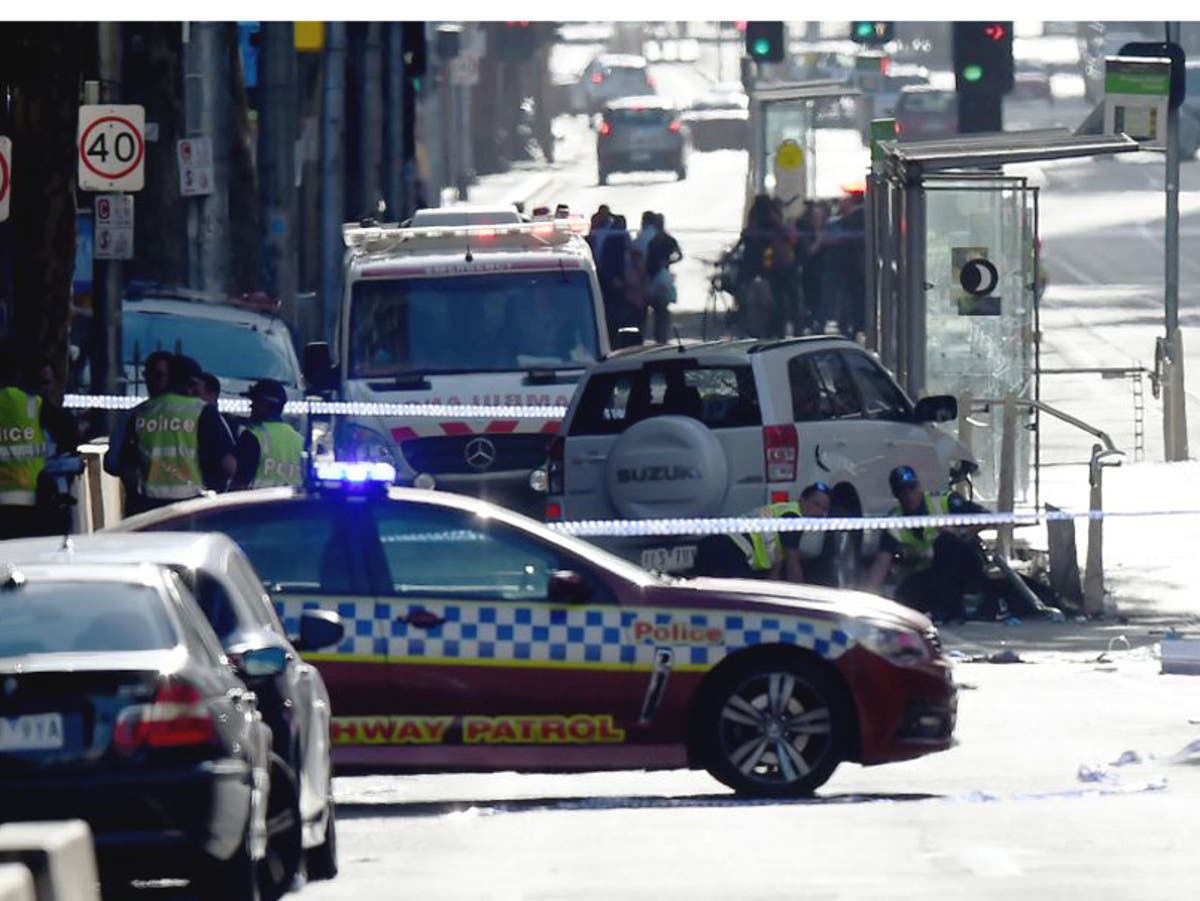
(269, 452)
(791, 555)
(176, 445)
(938, 566)
(23, 439)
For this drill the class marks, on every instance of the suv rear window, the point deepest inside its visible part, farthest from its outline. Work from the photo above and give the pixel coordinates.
(722, 397)
(618, 117)
(926, 102)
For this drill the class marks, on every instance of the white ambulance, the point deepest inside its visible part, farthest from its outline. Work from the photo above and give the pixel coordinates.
(496, 314)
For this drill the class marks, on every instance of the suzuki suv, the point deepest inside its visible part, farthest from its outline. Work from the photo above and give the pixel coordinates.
(717, 429)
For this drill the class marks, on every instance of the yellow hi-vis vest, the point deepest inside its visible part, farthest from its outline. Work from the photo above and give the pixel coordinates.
(763, 549)
(917, 550)
(280, 457)
(22, 446)
(168, 442)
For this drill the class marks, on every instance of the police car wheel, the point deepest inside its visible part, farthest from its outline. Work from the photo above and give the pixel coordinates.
(775, 727)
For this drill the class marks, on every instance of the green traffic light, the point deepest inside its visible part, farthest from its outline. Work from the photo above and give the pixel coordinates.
(762, 47)
(865, 29)
(972, 73)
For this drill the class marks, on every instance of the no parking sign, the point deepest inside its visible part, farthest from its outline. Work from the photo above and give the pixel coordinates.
(5, 175)
(112, 148)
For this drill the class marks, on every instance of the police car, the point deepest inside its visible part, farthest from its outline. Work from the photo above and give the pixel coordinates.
(480, 639)
(477, 312)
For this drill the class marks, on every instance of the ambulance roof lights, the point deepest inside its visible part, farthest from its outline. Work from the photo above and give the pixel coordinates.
(544, 231)
(353, 477)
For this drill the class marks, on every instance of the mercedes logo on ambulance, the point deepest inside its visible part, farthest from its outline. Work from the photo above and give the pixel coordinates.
(480, 453)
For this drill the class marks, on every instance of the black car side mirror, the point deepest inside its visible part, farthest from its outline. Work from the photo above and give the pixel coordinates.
(320, 375)
(567, 587)
(936, 408)
(319, 629)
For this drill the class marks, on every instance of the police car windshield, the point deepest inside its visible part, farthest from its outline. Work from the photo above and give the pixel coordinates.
(491, 322)
(227, 349)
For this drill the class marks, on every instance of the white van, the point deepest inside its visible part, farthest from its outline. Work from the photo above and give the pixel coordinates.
(493, 314)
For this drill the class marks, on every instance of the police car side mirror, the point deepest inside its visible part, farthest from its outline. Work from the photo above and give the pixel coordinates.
(319, 372)
(936, 408)
(567, 587)
(319, 629)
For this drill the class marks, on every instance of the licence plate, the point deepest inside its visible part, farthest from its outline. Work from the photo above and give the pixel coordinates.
(640, 156)
(33, 732)
(669, 559)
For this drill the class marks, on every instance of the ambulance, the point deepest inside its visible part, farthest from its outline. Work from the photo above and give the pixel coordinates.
(471, 311)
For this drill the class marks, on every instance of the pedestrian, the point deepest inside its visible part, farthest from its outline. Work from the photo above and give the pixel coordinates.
(598, 229)
(210, 393)
(62, 437)
(767, 248)
(270, 452)
(23, 440)
(176, 445)
(844, 273)
(646, 231)
(811, 318)
(662, 252)
(611, 265)
(938, 567)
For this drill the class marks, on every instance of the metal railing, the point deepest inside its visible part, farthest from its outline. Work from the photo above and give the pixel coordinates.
(1093, 581)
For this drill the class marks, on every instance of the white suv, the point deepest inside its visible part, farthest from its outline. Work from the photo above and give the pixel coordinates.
(720, 428)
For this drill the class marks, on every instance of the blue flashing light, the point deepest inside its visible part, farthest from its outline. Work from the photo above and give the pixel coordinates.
(354, 476)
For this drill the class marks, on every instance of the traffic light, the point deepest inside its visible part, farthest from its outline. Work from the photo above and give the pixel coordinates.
(765, 42)
(983, 58)
(872, 33)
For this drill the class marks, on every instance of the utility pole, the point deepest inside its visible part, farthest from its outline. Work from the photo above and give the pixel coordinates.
(277, 163)
(370, 145)
(395, 191)
(207, 114)
(1175, 438)
(333, 174)
(108, 283)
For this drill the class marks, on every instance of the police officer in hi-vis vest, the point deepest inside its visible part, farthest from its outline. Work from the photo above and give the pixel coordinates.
(270, 452)
(176, 445)
(938, 566)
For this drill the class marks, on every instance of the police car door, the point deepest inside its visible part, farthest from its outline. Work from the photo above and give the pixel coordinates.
(482, 659)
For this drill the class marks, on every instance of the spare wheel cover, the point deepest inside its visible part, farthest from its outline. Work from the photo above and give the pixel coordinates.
(667, 466)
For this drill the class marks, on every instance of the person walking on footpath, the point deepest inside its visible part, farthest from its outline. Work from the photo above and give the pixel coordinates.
(270, 453)
(662, 252)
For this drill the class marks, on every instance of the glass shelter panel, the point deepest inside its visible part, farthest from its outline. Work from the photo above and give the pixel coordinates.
(982, 343)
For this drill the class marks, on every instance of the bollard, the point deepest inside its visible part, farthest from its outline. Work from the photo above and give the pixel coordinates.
(59, 855)
(1093, 576)
(1005, 491)
(16, 883)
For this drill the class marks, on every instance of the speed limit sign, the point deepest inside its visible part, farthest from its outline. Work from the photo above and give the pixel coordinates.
(112, 148)
(5, 175)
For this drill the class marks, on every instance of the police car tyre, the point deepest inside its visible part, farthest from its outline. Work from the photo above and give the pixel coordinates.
(667, 466)
(775, 726)
(284, 839)
(321, 862)
(235, 879)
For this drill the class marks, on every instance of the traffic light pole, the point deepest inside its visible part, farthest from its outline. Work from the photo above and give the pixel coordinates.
(1175, 438)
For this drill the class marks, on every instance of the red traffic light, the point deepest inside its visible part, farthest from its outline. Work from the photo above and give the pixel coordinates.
(995, 31)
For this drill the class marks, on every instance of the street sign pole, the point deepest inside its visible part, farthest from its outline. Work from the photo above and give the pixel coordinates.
(1175, 442)
(108, 275)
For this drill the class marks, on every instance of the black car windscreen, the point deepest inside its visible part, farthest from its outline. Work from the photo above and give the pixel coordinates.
(491, 322)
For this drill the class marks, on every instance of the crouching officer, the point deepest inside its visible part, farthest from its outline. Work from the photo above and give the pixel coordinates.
(938, 566)
(790, 555)
(270, 452)
(177, 446)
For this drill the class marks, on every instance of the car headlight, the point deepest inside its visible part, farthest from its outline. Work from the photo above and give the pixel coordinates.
(896, 644)
(357, 443)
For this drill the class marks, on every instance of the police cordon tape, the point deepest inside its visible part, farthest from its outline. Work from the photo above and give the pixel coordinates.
(338, 408)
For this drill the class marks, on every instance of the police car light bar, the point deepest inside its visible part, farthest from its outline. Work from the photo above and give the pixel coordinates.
(542, 232)
(349, 475)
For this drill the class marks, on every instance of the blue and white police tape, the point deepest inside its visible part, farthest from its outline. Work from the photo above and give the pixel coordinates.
(341, 408)
(585, 528)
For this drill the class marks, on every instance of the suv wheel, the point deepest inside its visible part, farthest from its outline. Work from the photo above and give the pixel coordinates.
(775, 727)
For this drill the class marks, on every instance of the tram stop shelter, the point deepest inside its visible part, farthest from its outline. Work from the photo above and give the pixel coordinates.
(952, 256)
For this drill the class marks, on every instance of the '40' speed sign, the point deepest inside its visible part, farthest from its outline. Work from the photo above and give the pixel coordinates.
(112, 148)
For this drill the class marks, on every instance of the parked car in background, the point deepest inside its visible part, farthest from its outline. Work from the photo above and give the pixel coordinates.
(292, 697)
(719, 118)
(724, 427)
(1031, 83)
(641, 134)
(484, 640)
(925, 113)
(120, 708)
(609, 76)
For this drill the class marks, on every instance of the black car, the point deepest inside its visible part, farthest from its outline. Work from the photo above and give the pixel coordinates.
(292, 698)
(118, 707)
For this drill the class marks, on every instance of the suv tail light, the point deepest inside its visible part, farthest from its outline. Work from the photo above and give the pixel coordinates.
(597, 78)
(675, 125)
(605, 129)
(781, 452)
(555, 468)
(176, 717)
